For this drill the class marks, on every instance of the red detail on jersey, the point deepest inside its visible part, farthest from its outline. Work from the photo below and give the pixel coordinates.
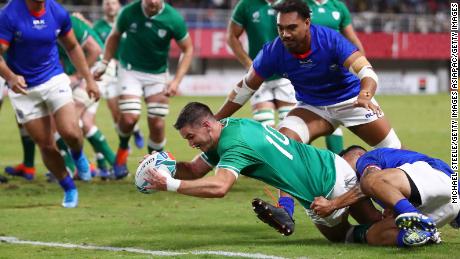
(4, 42)
(39, 13)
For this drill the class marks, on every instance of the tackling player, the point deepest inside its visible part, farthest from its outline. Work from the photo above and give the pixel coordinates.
(414, 189)
(150, 25)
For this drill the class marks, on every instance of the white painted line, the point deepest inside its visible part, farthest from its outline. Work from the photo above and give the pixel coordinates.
(14, 240)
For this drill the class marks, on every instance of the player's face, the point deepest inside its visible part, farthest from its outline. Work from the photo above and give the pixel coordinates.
(111, 7)
(293, 31)
(152, 7)
(198, 136)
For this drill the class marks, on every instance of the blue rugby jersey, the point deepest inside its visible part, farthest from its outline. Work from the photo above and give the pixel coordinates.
(393, 158)
(320, 78)
(32, 39)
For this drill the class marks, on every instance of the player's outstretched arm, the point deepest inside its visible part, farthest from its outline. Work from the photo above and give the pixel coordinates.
(215, 186)
(240, 94)
(324, 207)
(194, 169)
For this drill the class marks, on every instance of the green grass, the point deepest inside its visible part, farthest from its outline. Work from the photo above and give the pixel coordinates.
(115, 214)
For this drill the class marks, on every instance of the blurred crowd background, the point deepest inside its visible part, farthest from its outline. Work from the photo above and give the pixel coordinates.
(421, 16)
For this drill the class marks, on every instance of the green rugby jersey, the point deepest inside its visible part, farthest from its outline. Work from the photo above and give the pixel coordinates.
(331, 13)
(261, 152)
(103, 29)
(82, 31)
(258, 19)
(148, 39)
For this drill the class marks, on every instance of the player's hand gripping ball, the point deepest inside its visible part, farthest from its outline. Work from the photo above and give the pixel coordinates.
(162, 161)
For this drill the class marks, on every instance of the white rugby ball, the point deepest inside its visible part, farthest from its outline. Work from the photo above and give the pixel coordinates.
(162, 161)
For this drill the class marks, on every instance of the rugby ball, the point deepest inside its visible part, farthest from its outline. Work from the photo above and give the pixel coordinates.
(162, 161)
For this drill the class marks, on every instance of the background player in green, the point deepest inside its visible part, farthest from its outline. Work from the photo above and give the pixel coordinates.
(258, 20)
(92, 46)
(247, 147)
(108, 85)
(335, 15)
(150, 25)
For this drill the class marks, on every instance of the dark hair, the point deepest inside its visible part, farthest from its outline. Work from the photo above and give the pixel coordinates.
(289, 6)
(191, 114)
(350, 148)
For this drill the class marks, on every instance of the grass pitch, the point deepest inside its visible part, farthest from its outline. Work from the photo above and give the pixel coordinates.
(114, 214)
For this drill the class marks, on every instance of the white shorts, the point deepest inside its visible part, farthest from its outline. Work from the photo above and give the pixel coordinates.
(141, 84)
(434, 187)
(2, 87)
(345, 179)
(108, 86)
(343, 113)
(43, 99)
(279, 89)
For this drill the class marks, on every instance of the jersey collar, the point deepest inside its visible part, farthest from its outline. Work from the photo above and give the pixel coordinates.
(153, 17)
(320, 4)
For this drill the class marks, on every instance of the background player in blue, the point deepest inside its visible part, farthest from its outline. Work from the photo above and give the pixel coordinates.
(414, 189)
(29, 31)
(334, 82)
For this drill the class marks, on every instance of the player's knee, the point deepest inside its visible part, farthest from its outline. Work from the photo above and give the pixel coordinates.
(265, 116)
(298, 126)
(156, 110)
(156, 123)
(47, 147)
(129, 119)
(130, 106)
(72, 137)
(390, 141)
(283, 112)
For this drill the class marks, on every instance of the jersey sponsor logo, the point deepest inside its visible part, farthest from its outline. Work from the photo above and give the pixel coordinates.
(321, 10)
(271, 12)
(336, 15)
(256, 17)
(161, 33)
(148, 24)
(39, 24)
(307, 63)
(368, 115)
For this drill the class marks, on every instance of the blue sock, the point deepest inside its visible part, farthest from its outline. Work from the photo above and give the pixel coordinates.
(288, 204)
(404, 206)
(399, 239)
(76, 155)
(67, 183)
